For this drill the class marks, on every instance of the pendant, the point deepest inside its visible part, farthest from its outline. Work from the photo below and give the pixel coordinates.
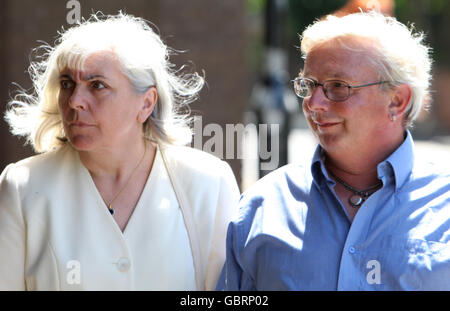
(356, 200)
(110, 209)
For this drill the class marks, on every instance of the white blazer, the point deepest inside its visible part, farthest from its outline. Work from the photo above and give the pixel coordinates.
(56, 232)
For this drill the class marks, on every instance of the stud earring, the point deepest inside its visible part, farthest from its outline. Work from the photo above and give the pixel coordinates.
(393, 117)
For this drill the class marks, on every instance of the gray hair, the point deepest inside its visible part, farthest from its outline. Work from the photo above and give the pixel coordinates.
(399, 53)
(144, 59)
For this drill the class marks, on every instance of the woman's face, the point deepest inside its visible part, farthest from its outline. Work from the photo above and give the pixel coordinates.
(100, 108)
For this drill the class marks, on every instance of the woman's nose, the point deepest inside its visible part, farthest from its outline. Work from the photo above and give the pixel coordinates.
(78, 100)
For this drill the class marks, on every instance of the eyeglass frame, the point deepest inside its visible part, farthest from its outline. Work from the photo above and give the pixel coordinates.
(347, 85)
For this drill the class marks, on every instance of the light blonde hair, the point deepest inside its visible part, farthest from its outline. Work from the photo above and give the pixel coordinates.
(144, 59)
(400, 55)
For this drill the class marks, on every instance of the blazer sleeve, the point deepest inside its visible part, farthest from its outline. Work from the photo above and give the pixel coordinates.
(227, 207)
(12, 233)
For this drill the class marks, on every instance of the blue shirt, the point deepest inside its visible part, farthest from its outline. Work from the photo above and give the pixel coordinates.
(293, 233)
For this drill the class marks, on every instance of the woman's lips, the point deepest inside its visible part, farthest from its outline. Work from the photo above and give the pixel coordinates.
(80, 124)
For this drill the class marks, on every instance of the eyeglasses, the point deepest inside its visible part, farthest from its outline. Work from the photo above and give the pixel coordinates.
(335, 90)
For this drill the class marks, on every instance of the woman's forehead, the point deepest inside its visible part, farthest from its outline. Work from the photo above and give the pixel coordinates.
(103, 63)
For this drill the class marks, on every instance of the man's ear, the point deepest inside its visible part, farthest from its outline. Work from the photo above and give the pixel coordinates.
(150, 98)
(400, 100)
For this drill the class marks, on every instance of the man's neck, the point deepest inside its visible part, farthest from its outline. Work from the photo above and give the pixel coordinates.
(359, 167)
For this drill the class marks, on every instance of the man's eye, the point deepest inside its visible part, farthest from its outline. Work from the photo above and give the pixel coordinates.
(338, 84)
(98, 85)
(66, 84)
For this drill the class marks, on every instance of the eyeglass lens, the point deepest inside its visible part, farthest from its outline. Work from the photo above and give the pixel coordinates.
(333, 90)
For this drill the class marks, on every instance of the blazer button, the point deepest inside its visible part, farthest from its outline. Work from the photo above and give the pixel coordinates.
(123, 264)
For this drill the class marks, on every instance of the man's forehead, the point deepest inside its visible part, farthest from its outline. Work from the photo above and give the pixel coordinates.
(331, 73)
(335, 63)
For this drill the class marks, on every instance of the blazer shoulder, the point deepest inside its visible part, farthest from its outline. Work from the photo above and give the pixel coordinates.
(191, 159)
(37, 168)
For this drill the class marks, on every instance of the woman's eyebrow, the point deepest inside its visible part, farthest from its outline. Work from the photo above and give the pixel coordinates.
(83, 78)
(92, 76)
(65, 76)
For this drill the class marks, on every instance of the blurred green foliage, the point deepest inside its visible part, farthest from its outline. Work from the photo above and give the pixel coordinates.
(255, 6)
(304, 12)
(432, 17)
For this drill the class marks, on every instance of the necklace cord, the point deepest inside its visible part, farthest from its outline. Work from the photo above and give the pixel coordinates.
(110, 208)
(352, 189)
(359, 196)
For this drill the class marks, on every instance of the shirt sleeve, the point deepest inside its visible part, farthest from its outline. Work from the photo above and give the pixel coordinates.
(12, 234)
(231, 273)
(234, 277)
(236, 274)
(226, 210)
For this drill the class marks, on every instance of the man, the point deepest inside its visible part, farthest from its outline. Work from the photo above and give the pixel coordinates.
(365, 214)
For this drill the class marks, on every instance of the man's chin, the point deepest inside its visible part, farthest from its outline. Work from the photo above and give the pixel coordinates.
(330, 142)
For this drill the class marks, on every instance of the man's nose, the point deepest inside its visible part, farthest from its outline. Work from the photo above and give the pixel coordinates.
(78, 100)
(318, 101)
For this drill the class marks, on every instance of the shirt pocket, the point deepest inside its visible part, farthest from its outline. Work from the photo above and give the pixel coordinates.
(427, 266)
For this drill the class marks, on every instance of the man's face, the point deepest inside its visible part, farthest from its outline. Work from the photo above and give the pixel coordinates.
(360, 121)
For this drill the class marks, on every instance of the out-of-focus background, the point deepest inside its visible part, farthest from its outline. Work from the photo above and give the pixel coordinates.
(247, 114)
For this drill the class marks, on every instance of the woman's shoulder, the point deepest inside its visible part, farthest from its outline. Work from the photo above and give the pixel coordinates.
(188, 158)
(199, 171)
(37, 166)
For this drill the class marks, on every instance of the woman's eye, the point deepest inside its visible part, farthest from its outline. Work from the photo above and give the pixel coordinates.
(66, 84)
(98, 85)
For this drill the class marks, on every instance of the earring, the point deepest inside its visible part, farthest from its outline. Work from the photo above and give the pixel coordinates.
(393, 117)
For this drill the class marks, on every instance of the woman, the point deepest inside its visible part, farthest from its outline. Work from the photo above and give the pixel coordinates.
(114, 201)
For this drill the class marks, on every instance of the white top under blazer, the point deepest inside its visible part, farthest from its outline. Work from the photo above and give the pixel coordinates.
(56, 232)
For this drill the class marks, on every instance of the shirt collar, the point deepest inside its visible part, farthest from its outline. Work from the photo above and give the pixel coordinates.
(318, 169)
(399, 163)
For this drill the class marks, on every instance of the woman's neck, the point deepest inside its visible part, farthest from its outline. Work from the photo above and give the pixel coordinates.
(115, 162)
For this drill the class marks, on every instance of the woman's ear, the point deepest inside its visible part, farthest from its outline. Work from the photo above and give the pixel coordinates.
(400, 100)
(150, 98)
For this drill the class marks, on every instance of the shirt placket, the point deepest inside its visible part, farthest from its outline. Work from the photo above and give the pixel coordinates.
(353, 268)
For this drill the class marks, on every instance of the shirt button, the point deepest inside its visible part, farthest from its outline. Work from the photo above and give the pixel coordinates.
(351, 250)
(123, 264)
